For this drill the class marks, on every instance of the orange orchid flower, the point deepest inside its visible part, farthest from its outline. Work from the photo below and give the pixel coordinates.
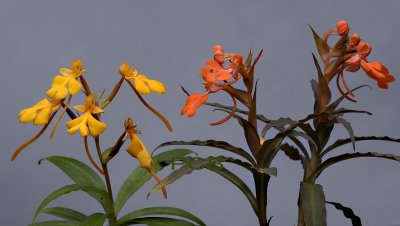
(193, 102)
(378, 72)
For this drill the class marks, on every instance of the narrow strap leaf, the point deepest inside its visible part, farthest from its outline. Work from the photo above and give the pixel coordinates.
(212, 143)
(65, 213)
(140, 176)
(56, 223)
(158, 221)
(96, 219)
(348, 213)
(164, 210)
(71, 188)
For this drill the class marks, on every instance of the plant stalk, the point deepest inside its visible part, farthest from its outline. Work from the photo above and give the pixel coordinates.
(261, 181)
(112, 219)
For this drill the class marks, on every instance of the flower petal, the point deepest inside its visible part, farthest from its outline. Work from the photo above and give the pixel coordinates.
(74, 86)
(42, 116)
(72, 123)
(66, 71)
(145, 160)
(61, 93)
(156, 86)
(27, 115)
(141, 86)
(95, 127)
(80, 107)
(84, 130)
(135, 147)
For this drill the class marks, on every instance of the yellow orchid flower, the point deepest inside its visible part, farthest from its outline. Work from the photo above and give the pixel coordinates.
(67, 81)
(143, 84)
(86, 123)
(137, 149)
(39, 113)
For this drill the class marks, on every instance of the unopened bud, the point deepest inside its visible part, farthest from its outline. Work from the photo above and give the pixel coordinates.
(76, 65)
(124, 69)
(217, 48)
(354, 39)
(342, 27)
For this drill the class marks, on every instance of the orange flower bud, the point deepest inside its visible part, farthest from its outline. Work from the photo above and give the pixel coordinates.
(342, 27)
(364, 49)
(354, 39)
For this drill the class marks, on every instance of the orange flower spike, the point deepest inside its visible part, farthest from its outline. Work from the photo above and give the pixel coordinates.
(342, 27)
(194, 102)
(378, 72)
(364, 49)
(221, 73)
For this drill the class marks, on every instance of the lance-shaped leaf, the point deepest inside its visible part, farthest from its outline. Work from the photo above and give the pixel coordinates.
(164, 210)
(106, 203)
(312, 202)
(253, 108)
(269, 149)
(341, 142)
(323, 88)
(65, 213)
(249, 79)
(239, 94)
(348, 213)
(214, 144)
(251, 135)
(79, 172)
(348, 127)
(339, 47)
(158, 221)
(96, 219)
(336, 159)
(56, 223)
(279, 124)
(290, 151)
(322, 47)
(200, 163)
(247, 62)
(332, 107)
(260, 117)
(140, 176)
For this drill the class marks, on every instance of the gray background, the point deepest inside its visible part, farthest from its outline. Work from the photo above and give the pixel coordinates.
(169, 41)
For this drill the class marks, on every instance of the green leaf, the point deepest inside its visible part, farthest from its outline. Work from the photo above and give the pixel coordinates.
(339, 158)
(200, 163)
(164, 210)
(341, 142)
(65, 213)
(212, 143)
(96, 219)
(56, 223)
(312, 201)
(105, 202)
(348, 213)
(322, 47)
(140, 176)
(159, 221)
(79, 172)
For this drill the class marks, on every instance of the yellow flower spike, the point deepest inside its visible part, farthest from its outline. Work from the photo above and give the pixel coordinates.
(39, 113)
(66, 82)
(137, 150)
(143, 84)
(86, 123)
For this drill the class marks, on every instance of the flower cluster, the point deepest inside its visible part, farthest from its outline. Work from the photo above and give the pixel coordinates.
(355, 57)
(216, 76)
(70, 82)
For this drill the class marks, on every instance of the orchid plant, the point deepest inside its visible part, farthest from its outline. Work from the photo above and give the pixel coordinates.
(71, 82)
(299, 140)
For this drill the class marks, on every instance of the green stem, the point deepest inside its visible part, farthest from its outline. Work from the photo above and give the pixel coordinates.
(112, 219)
